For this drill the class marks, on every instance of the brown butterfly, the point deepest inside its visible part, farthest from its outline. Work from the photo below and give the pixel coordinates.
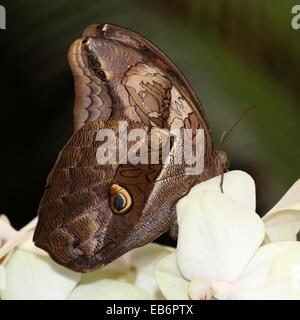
(93, 213)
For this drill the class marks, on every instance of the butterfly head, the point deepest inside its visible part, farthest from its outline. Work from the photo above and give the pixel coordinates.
(219, 163)
(222, 157)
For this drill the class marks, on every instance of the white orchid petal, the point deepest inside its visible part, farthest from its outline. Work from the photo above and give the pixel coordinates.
(237, 184)
(170, 280)
(283, 225)
(16, 237)
(286, 265)
(283, 220)
(120, 269)
(2, 279)
(291, 197)
(6, 230)
(29, 245)
(13, 242)
(34, 277)
(224, 290)
(281, 289)
(145, 259)
(217, 236)
(30, 226)
(200, 289)
(135, 267)
(4, 219)
(108, 289)
(256, 272)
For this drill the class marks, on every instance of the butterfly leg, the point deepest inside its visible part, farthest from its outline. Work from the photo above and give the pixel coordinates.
(222, 181)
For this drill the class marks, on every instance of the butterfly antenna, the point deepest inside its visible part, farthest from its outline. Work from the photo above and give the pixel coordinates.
(221, 140)
(227, 133)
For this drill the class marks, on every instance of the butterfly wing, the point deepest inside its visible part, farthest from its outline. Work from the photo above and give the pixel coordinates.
(131, 59)
(119, 76)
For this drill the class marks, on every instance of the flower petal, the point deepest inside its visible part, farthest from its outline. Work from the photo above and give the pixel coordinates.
(17, 238)
(136, 267)
(4, 219)
(217, 236)
(286, 265)
(29, 245)
(2, 279)
(108, 289)
(224, 290)
(170, 280)
(281, 289)
(291, 196)
(6, 230)
(120, 269)
(256, 272)
(283, 225)
(200, 289)
(35, 277)
(283, 220)
(145, 259)
(237, 184)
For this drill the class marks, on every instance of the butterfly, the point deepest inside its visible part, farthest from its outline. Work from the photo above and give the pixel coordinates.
(92, 213)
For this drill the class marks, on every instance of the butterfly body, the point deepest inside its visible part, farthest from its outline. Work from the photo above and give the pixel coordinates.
(92, 213)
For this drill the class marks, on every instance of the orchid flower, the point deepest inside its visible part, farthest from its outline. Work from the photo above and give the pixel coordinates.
(220, 253)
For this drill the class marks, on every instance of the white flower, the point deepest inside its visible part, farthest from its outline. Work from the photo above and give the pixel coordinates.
(129, 277)
(219, 253)
(282, 222)
(10, 238)
(29, 273)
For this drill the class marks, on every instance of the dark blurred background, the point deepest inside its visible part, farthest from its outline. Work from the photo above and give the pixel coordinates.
(235, 53)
